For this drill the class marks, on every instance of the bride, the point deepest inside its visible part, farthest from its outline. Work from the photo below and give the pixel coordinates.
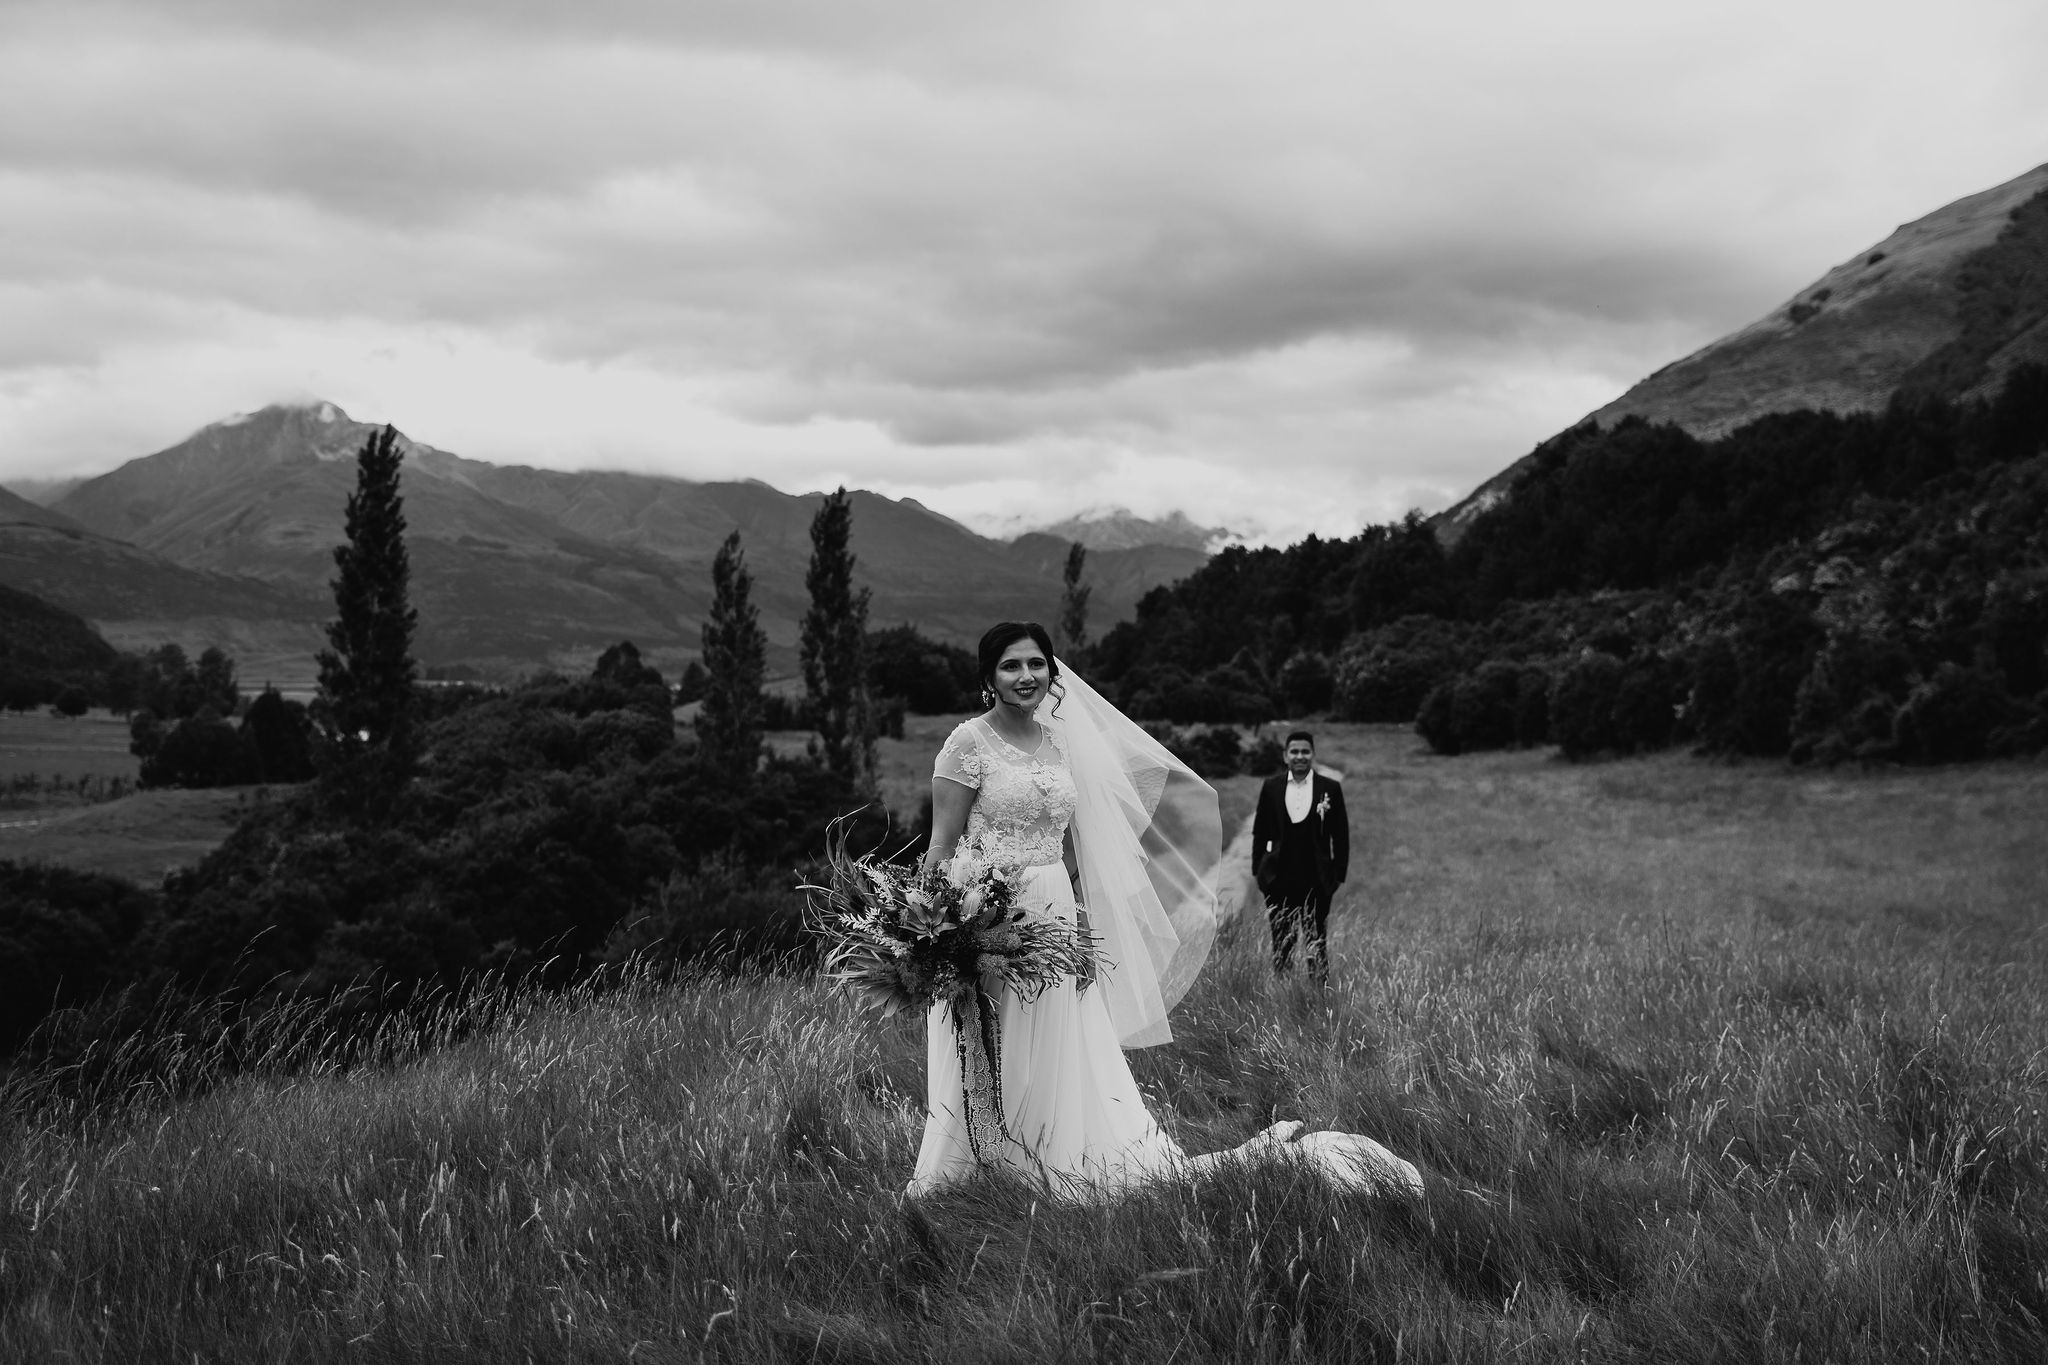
(1111, 832)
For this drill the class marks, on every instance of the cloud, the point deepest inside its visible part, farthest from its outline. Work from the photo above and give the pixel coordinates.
(1005, 257)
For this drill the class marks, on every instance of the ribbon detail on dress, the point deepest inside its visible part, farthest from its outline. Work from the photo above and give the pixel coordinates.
(978, 1033)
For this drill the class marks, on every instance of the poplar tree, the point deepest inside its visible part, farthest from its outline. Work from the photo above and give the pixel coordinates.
(367, 674)
(835, 646)
(1074, 604)
(735, 657)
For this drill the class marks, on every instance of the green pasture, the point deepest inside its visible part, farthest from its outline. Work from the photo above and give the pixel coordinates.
(45, 745)
(1701, 1062)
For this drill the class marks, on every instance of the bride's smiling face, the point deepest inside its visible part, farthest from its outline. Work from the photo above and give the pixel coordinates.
(1022, 674)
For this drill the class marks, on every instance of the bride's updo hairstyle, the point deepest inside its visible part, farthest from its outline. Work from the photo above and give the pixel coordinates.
(1000, 637)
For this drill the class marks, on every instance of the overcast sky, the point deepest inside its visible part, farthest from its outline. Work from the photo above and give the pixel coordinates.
(1285, 266)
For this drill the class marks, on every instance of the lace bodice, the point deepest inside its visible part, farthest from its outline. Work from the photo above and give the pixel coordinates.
(1024, 802)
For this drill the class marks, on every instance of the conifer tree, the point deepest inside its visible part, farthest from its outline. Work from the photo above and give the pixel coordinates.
(735, 653)
(1073, 637)
(834, 645)
(366, 677)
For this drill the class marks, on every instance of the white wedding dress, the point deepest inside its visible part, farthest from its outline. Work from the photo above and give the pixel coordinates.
(1073, 1119)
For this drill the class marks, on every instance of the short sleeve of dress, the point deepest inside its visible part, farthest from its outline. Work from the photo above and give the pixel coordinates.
(960, 758)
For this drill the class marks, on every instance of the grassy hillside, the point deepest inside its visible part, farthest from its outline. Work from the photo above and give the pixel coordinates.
(141, 836)
(1703, 1062)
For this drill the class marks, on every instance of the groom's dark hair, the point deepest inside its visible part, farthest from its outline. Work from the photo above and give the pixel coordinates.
(1302, 735)
(1001, 636)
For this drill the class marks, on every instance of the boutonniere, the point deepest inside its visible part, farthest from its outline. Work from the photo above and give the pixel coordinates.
(1323, 807)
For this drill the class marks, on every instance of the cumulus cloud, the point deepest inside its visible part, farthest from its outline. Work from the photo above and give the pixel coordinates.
(1014, 260)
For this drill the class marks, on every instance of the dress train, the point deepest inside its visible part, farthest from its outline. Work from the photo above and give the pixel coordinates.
(1075, 1121)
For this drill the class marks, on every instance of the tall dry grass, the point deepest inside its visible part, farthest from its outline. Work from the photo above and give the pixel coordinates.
(1701, 1063)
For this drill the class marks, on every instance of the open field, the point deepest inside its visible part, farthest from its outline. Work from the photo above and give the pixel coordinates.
(93, 745)
(140, 837)
(1702, 1063)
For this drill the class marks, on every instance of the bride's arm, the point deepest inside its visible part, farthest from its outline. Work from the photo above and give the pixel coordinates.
(950, 803)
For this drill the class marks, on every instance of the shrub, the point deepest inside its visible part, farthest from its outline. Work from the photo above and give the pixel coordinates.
(64, 938)
(71, 701)
(1224, 695)
(1212, 751)
(1741, 684)
(2016, 624)
(24, 691)
(200, 751)
(693, 683)
(1484, 709)
(1774, 651)
(1306, 683)
(1582, 708)
(1844, 705)
(1483, 705)
(278, 737)
(1265, 758)
(145, 734)
(1644, 704)
(779, 711)
(1436, 719)
(1950, 717)
(932, 678)
(722, 910)
(1384, 674)
(1532, 707)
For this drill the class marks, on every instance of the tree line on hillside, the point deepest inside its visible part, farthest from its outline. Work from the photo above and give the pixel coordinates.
(541, 830)
(1817, 586)
(189, 721)
(50, 657)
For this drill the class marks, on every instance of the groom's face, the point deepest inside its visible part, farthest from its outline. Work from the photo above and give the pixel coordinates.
(1301, 756)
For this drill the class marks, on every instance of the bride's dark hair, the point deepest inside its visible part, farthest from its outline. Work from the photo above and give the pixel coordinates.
(1001, 636)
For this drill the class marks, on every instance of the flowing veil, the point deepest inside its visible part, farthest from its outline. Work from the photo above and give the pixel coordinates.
(1149, 839)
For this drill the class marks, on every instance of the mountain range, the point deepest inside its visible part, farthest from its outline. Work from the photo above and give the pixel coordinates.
(228, 535)
(1118, 528)
(1946, 306)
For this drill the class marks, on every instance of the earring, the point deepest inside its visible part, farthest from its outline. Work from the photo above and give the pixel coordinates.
(988, 696)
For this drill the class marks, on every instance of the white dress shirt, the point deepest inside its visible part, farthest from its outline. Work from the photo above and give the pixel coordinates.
(1299, 789)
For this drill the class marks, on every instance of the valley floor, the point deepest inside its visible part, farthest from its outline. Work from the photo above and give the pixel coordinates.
(1701, 1063)
(140, 837)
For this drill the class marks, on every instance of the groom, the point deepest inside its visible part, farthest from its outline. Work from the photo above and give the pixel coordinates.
(1301, 849)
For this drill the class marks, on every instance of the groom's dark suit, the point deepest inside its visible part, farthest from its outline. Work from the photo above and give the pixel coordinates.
(1300, 864)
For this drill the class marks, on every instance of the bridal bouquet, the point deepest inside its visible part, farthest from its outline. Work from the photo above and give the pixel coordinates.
(899, 938)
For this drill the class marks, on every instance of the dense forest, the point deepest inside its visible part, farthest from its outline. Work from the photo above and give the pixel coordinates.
(49, 656)
(545, 829)
(1824, 587)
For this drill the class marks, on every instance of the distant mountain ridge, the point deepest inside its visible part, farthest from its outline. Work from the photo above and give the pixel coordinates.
(139, 598)
(1946, 305)
(41, 492)
(1117, 528)
(513, 567)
